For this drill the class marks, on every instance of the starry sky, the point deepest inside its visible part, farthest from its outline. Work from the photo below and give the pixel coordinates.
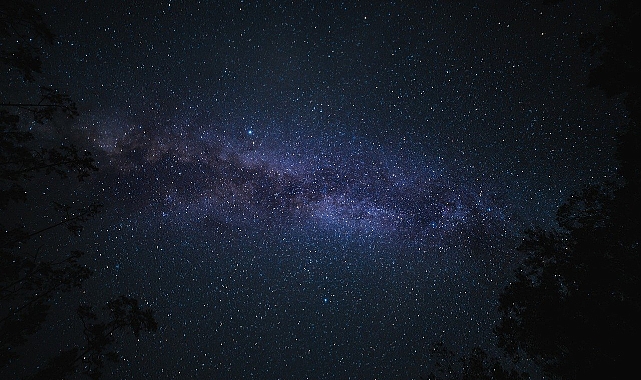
(322, 189)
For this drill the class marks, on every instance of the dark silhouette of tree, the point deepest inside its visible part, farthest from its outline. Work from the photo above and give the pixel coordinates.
(574, 305)
(618, 75)
(478, 365)
(32, 271)
(122, 313)
(23, 33)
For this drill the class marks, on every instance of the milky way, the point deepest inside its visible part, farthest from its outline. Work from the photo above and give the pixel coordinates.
(307, 183)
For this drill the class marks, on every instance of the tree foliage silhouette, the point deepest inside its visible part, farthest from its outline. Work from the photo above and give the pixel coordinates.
(478, 365)
(31, 271)
(122, 313)
(23, 33)
(574, 305)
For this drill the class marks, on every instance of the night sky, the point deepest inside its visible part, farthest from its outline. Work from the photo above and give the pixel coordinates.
(321, 189)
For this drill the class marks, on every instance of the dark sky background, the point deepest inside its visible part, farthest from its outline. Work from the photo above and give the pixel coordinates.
(322, 189)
